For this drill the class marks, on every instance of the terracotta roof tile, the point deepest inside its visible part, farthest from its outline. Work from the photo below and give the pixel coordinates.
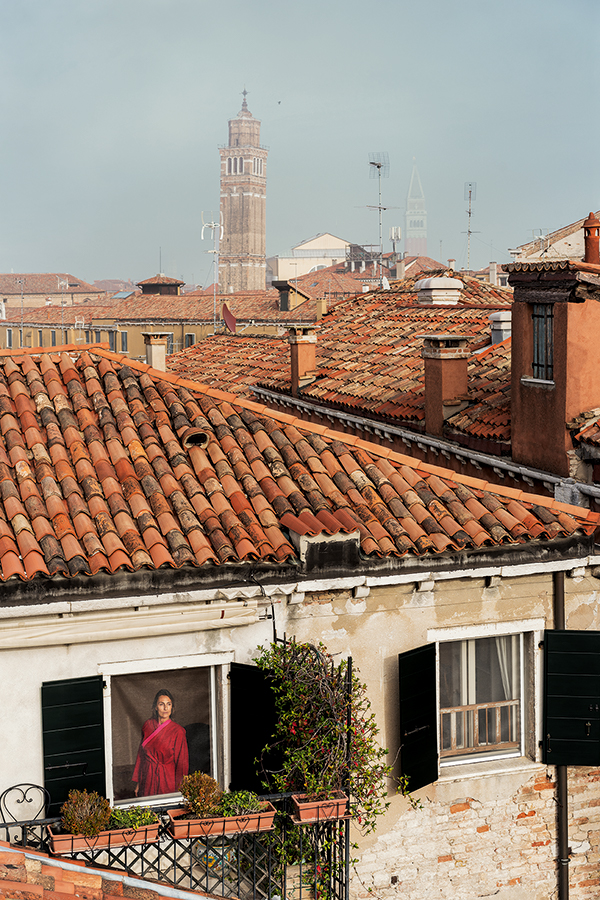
(150, 502)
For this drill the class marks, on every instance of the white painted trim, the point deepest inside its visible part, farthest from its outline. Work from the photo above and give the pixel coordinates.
(466, 632)
(192, 661)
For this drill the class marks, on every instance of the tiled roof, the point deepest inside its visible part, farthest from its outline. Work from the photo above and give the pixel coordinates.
(488, 415)
(329, 282)
(553, 265)
(368, 353)
(46, 283)
(251, 306)
(99, 473)
(160, 279)
(57, 315)
(27, 874)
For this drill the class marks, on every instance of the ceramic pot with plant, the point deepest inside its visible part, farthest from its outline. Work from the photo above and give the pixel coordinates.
(209, 811)
(88, 822)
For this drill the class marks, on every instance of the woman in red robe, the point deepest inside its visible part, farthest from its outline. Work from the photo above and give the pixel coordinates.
(162, 758)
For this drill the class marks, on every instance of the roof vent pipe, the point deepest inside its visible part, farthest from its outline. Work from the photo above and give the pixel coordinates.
(195, 437)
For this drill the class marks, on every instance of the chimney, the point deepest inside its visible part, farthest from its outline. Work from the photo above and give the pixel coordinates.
(452, 264)
(303, 353)
(400, 269)
(156, 350)
(500, 325)
(591, 231)
(321, 303)
(446, 359)
(493, 273)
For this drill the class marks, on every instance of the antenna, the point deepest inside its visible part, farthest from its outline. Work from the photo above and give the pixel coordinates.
(379, 166)
(216, 227)
(395, 236)
(470, 195)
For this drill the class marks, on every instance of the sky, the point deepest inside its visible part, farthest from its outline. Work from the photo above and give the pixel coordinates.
(113, 111)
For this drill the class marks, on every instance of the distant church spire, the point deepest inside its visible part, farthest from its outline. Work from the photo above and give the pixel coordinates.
(242, 258)
(415, 225)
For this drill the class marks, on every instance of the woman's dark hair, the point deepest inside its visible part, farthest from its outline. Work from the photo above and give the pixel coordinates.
(161, 693)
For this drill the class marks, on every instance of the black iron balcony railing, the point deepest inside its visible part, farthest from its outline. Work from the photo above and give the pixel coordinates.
(290, 862)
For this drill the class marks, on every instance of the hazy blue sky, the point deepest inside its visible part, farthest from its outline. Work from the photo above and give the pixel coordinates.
(112, 112)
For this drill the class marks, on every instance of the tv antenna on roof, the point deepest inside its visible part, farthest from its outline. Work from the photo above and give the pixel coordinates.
(216, 226)
(379, 167)
(470, 195)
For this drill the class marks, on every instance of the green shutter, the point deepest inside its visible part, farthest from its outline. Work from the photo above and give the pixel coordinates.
(253, 720)
(73, 735)
(571, 698)
(418, 716)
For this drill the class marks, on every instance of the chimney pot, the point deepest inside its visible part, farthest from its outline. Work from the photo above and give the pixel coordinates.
(591, 231)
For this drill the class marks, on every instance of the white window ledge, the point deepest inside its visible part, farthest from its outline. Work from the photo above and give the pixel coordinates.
(537, 382)
(506, 766)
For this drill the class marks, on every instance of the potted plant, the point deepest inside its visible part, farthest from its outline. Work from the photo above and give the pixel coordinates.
(89, 823)
(326, 735)
(209, 811)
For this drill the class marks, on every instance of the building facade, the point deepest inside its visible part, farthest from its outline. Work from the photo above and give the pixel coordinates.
(242, 260)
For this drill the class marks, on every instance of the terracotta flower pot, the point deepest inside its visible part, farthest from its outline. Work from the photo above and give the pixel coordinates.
(215, 825)
(106, 840)
(320, 810)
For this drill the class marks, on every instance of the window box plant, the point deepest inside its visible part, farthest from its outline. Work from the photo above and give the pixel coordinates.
(89, 823)
(212, 812)
(326, 735)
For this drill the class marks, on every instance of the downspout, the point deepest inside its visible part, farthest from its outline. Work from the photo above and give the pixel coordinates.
(562, 797)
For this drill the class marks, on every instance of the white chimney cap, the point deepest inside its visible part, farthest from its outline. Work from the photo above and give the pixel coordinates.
(440, 290)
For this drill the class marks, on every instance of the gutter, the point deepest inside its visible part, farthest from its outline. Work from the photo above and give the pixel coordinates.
(426, 442)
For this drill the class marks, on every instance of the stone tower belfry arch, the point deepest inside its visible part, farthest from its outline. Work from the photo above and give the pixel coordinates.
(242, 258)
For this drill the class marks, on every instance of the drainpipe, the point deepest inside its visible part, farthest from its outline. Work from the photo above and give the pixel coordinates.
(562, 797)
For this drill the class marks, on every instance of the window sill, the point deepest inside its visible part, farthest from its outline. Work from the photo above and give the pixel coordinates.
(538, 382)
(493, 767)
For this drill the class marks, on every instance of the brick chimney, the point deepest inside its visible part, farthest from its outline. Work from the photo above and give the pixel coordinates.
(156, 350)
(446, 359)
(591, 232)
(303, 353)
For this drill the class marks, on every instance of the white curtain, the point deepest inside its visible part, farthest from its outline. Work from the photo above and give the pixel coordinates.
(504, 651)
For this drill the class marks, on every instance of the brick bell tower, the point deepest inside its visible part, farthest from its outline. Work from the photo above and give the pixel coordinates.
(242, 258)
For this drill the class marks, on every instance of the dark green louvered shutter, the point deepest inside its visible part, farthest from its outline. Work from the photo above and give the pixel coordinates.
(571, 698)
(418, 716)
(253, 720)
(73, 733)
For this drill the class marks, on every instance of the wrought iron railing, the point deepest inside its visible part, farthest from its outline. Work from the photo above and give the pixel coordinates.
(479, 727)
(290, 862)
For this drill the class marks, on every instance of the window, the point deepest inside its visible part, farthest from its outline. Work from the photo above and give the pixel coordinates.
(169, 343)
(112, 340)
(40, 338)
(462, 701)
(542, 316)
(479, 695)
(225, 713)
(88, 337)
(97, 337)
(190, 339)
(53, 338)
(9, 338)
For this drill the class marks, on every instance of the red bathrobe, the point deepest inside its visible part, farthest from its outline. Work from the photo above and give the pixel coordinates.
(162, 758)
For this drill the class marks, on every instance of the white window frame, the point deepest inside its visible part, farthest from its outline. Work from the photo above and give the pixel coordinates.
(218, 664)
(529, 689)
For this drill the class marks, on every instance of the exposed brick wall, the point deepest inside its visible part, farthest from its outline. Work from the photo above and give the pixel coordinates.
(500, 848)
